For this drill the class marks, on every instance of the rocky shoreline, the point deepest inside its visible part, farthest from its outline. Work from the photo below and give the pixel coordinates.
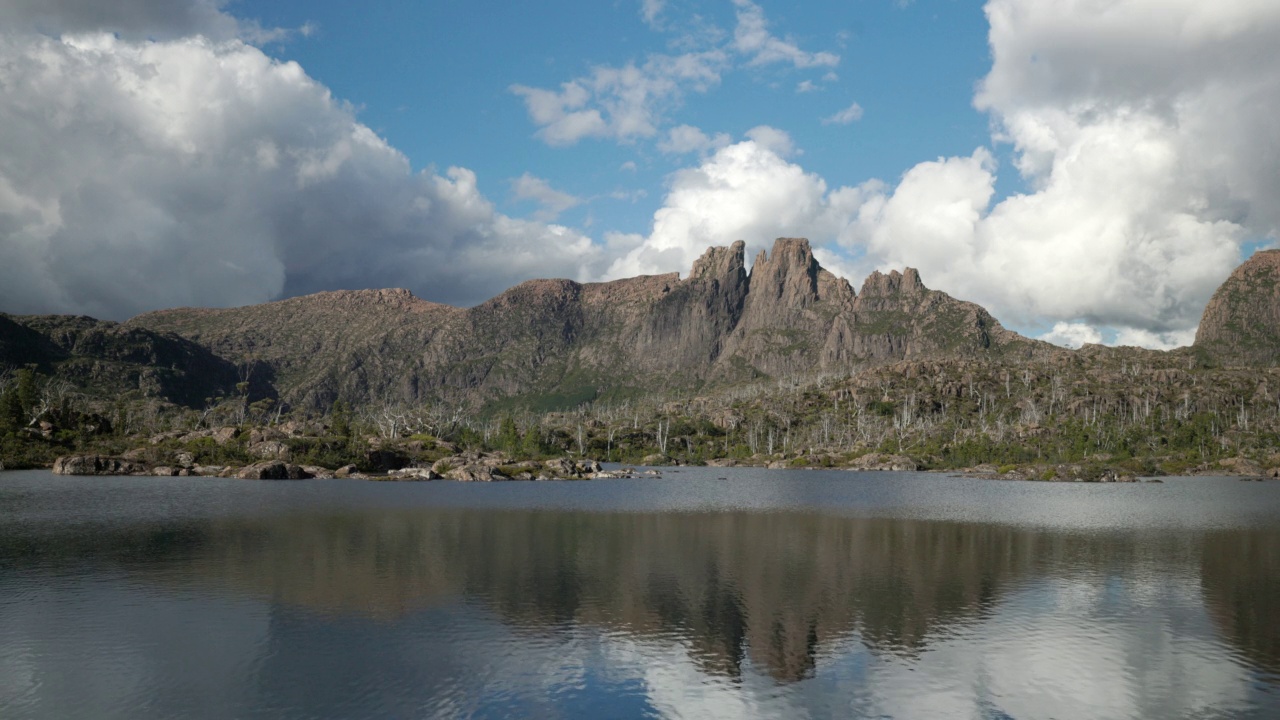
(272, 453)
(467, 467)
(499, 467)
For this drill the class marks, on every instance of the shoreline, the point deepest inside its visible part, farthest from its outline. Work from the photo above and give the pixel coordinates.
(497, 467)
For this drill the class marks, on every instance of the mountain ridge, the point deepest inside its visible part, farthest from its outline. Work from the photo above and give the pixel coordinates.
(554, 343)
(557, 338)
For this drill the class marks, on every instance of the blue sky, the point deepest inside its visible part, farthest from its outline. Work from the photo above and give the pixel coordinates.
(1088, 170)
(434, 79)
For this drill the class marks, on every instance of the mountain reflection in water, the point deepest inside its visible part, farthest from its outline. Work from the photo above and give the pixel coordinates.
(838, 615)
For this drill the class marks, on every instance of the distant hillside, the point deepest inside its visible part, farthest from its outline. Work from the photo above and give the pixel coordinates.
(557, 343)
(1241, 324)
(110, 359)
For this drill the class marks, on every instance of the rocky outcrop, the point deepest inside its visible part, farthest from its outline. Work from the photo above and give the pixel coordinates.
(1241, 323)
(498, 466)
(567, 469)
(98, 465)
(273, 470)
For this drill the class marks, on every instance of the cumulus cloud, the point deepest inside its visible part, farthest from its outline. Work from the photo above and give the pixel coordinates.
(1072, 335)
(553, 202)
(139, 175)
(845, 116)
(772, 139)
(746, 191)
(752, 38)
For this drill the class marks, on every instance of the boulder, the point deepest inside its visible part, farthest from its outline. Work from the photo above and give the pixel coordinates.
(272, 470)
(490, 459)
(475, 473)
(264, 434)
(414, 474)
(345, 471)
(575, 469)
(97, 465)
(386, 459)
(172, 435)
(270, 450)
(224, 435)
(164, 471)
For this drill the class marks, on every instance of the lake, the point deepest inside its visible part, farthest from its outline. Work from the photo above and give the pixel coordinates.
(707, 593)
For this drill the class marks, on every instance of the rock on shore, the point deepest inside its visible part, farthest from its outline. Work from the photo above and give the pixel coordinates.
(98, 465)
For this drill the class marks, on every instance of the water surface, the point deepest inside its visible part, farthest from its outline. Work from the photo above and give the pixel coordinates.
(708, 593)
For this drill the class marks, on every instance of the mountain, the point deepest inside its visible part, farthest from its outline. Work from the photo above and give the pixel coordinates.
(1241, 324)
(557, 343)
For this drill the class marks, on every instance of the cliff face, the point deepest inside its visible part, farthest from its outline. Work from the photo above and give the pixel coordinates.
(558, 342)
(1241, 324)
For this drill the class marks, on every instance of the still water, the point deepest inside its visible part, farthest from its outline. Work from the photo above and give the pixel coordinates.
(708, 593)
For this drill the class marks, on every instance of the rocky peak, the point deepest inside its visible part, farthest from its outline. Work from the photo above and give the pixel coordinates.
(721, 263)
(789, 274)
(1242, 319)
(879, 284)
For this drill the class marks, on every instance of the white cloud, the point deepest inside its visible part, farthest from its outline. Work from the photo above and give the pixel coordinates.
(772, 139)
(752, 38)
(623, 103)
(687, 139)
(630, 196)
(553, 202)
(845, 116)
(633, 102)
(139, 175)
(628, 166)
(650, 10)
(807, 86)
(745, 191)
(1072, 335)
(1157, 340)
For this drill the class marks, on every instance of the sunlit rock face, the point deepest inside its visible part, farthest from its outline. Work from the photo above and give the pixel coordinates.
(1241, 324)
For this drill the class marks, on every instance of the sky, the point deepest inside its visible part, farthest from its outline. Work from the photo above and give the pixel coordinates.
(1088, 170)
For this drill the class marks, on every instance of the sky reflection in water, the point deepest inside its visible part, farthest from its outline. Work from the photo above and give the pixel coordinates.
(783, 594)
